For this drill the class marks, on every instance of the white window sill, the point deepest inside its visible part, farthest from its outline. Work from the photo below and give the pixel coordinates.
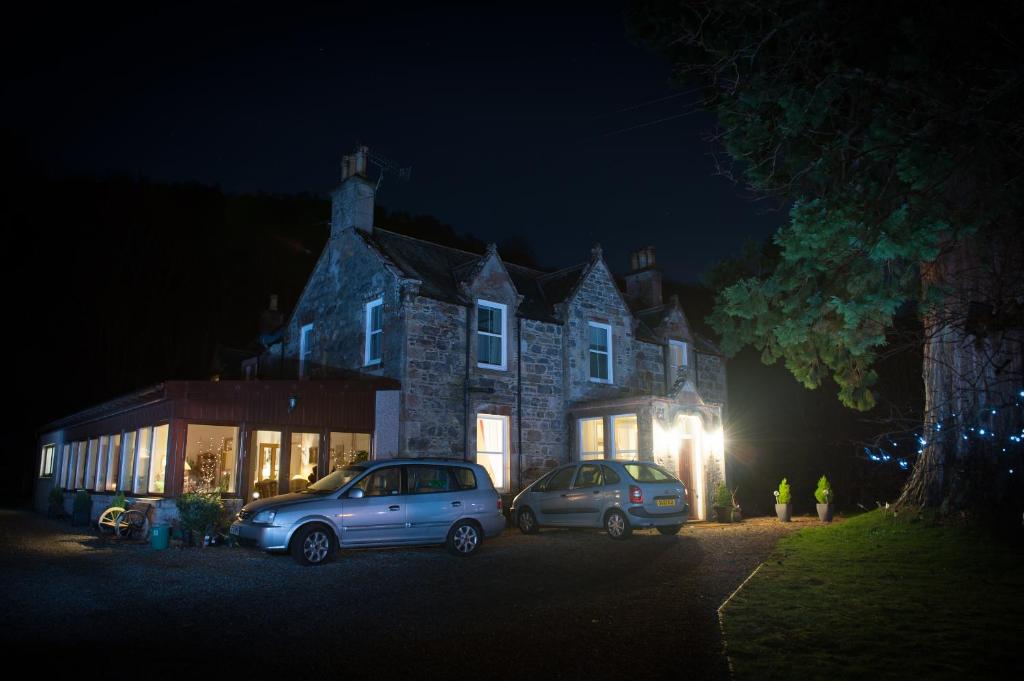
(374, 363)
(605, 381)
(492, 367)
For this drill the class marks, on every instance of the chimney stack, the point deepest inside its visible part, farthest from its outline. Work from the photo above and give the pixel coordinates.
(643, 282)
(271, 319)
(352, 202)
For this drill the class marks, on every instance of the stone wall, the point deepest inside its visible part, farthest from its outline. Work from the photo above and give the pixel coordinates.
(711, 377)
(545, 430)
(650, 375)
(598, 300)
(433, 407)
(345, 279)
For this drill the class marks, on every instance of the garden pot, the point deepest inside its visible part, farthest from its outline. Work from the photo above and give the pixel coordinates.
(723, 514)
(784, 511)
(737, 514)
(825, 512)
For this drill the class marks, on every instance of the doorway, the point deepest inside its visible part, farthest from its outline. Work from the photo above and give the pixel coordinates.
(686, 452)
(266, 446)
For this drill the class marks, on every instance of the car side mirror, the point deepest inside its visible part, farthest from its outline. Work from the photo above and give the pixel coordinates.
(355, 494)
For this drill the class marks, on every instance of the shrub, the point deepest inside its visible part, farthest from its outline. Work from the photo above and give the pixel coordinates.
(199, 512)
(824, 491)
(722, 496)
(783, 496)
(56, 496)
(118, 500)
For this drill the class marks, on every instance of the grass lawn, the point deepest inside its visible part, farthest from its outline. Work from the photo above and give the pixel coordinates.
(880, 598)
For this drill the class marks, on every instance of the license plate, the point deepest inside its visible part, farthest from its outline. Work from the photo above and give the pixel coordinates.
(235, 529)
(666, 502)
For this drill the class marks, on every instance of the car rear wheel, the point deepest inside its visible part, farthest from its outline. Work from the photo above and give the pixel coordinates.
(527, 522)
(670, 529)
(313, 545)
(464, 538)
(617, 525)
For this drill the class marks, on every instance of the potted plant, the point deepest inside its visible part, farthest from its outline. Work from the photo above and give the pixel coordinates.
(723, 503)
(56, 503)
(783, 502)
(198, 513)
(824, 496)
(81, 508)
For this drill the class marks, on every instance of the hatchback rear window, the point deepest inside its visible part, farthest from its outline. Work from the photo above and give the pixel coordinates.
(648, 472)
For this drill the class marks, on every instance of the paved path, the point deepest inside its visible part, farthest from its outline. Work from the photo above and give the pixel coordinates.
(562, 604)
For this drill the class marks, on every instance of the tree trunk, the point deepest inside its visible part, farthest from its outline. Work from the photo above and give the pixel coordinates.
(970, 461)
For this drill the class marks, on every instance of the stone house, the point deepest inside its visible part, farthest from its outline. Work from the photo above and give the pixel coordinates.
(516, 368)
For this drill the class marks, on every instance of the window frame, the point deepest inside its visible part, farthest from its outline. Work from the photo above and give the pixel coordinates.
(607, 328)
(368, 332)
(614, 441)
(673, 369)
(506, 450)
(305, 331)
(579, 426)
(46, 463)
(503, 365)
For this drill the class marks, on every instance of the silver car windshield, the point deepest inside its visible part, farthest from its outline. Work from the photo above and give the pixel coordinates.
(648, 472)
(335, 480)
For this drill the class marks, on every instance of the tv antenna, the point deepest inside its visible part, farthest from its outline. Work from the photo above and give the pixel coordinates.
(385, 164)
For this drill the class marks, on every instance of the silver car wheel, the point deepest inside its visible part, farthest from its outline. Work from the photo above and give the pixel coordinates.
(616, 525)
(526, 522)
(466, 539)
(316, 546)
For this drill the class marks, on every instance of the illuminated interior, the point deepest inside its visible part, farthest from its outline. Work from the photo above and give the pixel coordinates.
(211, 458)
(305, 453)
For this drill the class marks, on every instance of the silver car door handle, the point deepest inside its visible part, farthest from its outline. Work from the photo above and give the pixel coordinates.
(456, 503)
(393, 508)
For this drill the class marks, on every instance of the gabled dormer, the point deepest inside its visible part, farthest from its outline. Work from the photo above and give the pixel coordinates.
(493, 299)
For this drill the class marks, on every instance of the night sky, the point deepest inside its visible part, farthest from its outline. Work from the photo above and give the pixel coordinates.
(516, 121)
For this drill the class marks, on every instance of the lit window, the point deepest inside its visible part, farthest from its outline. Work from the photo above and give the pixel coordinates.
(211, 457)
(491, 338)
(677, 359)
(591, 439)
(492, 448)
(158, 460)
(250, 368)
(46, 463)
(305, 348)
(90, 464)
(113, 461)
(79, 480)
(101, 464)
(624, 437)
(142, 454)
(600, 352)
(127, 461)
(374, 332)
(347, 449)
(65, 462)
(266, 444)
(305, 459)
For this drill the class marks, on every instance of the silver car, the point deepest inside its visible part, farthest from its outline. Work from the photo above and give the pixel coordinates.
(615, 495)
(394, 502)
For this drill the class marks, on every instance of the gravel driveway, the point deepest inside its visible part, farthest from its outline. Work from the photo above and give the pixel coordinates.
(561, 604)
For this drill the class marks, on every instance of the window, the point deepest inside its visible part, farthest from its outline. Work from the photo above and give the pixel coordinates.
(305, 348)
(303, 465)
(610, 476)
(46, 462)
(465, 477)
(250, 368)
(382, 482)
(429, 479)
(591, 439)
(113, 461)
(79, 464)
(144, 443)
(211, 458)
(560, 479)
(374, 332)
(265, 453)
(127, 461)
(589, 476)
(677, 359)
(101, 464)
(65, 462)
(648, 473)
(491, 336)
(158, 460)
(600, 352)
(624, 435)
(347, 449)
(492, 448)
(90, 464)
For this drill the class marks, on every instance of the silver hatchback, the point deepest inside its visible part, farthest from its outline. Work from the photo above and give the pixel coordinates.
(393, 502)
(615, 495)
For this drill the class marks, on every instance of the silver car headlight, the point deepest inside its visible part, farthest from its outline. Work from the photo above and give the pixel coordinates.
(265, 517)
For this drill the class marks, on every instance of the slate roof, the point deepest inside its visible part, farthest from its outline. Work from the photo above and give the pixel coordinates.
(441, 270)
